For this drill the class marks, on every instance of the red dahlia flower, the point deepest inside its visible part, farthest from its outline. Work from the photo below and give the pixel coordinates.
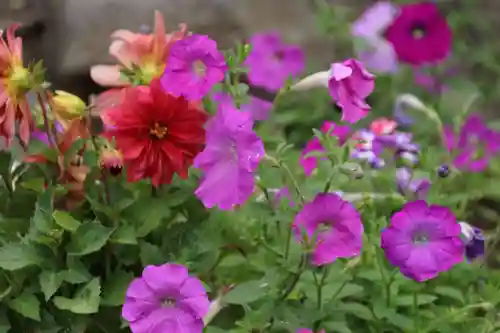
(157, 133)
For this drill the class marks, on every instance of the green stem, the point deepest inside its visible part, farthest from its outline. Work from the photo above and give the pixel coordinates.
(290, 175)
(385, 278)
(416, 324)
(296, 278)
(288, 242)
(319, 286)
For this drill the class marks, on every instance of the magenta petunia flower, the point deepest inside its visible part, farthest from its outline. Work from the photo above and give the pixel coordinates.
(420, 34)
(231, 155)
(336, 225)
(310, 163)
(475, 145)
(374, 51)
(165, 299)
(194, 66)
(423, 240)
(349, 85)
(271, 62)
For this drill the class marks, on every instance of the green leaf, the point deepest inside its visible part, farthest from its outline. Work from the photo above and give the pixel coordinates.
(246, 292)
(15, 256)
(4, 322)
(150, 254)
(66, 221)
(42, 219)
(85, 301)
(125, 234)
(89, 237)
(147, 214)
(356, 309)
(113, 291)
(337, 288)
(450, 292)
(34, 184)
(337, 326)
(49, 282)
(26, 305)
(76, 273)
(422, 299)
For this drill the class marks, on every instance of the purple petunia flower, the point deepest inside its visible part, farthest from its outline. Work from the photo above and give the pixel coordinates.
(407, 185)
(336, 226)
(271, 62)
(374, 51)
(165, 299)
(349, 85)
(194, 66)
(310, 163)
(474, 241)
(231, 155)
(475, 145)
(423, 240)
(284, 193)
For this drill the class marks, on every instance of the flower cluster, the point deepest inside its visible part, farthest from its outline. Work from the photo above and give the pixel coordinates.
(157, 131)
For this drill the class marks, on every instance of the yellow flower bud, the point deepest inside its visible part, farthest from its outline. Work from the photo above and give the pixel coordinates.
(67, 106)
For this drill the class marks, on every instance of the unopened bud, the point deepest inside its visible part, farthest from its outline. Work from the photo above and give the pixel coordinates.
(67, 106)
(316, 80)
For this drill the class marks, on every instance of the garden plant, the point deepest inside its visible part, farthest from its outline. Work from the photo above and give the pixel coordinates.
(359, 198)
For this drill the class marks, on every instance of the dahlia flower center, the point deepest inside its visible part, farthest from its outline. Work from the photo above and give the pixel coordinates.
(19, 80)
(199, 68)
(158, 131)
(418, 31)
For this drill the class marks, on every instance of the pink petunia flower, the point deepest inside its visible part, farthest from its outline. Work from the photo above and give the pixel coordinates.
(165, 299)
(194, 66)
(423, 240)
(349, 85)
(420, 34)
(374, 51)
(271, 62)
(310, 163)
(231, 155)
(336, 225)
(474, 146)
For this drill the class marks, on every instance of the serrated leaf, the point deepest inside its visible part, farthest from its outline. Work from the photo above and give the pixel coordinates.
(26, 305)
(85, 301)
(50, 282)
(246, 292)
(42, 218)
(147, 214)
(115, 287)
(90, 237)
(66, 221)
(76, 273)
(15, 256)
